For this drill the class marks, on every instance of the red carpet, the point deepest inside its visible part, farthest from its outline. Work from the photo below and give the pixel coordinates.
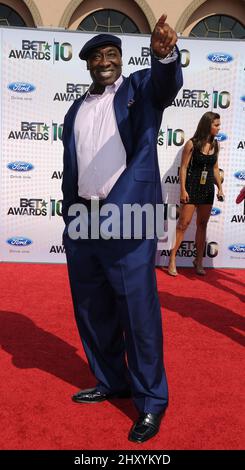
(42, 365)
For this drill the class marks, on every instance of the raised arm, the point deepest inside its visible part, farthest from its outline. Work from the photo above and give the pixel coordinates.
(166, 68)
(163, 38)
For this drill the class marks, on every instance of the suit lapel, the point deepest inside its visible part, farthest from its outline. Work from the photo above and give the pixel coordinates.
(70, 121)
(122, 102)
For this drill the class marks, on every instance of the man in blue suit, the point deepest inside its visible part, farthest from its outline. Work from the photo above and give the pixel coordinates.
(110, 157)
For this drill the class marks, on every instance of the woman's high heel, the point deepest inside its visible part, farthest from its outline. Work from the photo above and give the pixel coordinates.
(199, 269)
(172, 271)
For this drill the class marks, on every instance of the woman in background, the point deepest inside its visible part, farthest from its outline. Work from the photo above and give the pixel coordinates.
(199, 172)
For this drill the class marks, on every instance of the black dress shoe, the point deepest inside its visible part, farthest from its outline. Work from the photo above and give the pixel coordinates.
(93, 395)
(145, 427)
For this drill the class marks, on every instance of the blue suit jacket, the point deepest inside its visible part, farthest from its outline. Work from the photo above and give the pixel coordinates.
(139, 103)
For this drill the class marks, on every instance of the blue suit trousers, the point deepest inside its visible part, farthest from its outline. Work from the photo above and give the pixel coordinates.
(118, 315)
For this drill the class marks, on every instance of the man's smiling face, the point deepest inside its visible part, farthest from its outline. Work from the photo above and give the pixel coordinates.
(105, 65)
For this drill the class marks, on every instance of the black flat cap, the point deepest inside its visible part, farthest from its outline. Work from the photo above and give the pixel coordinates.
(98, 41)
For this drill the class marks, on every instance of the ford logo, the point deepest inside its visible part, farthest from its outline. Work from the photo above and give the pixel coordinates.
(243, 98)
(221, 136)
(240, 175)
(21, 87)
(215, 211)
(220, 57)
(20, 166)
(19, 241)
(237, 248)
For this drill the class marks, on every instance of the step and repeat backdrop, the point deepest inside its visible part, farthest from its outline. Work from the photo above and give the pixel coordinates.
(41, 75)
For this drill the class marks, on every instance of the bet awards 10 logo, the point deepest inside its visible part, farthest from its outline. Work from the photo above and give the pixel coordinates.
(37, 207)
(42, 50)
(38, 131)
(203, 99)
(73, 92)
(145, 58)
(187, 249)
(171, 137)
(185, 58)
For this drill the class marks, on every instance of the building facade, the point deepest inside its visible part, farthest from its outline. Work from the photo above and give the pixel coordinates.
(200, 18)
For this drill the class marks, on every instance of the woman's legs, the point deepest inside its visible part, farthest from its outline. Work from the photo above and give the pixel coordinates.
(186, 213)
(203, 214)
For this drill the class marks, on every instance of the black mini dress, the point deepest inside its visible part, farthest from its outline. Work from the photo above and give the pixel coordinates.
(199, 163)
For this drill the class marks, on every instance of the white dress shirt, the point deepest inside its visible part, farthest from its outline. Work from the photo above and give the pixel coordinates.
(101, 156)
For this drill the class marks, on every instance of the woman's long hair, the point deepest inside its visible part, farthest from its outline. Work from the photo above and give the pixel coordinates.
(203, 130)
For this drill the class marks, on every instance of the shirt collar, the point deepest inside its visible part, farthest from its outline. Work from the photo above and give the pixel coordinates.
(109, 88)
(117, 83)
